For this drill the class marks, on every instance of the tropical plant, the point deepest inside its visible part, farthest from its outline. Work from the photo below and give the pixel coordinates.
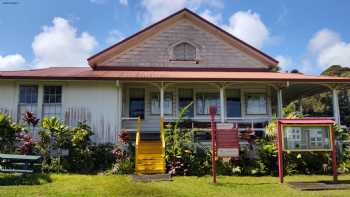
(8, 134)
(182, 155)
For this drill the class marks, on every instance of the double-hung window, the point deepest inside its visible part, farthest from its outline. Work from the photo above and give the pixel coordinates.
(28, 100)
(256, 104)
(155, 103)
(52, 101)
(206, 99)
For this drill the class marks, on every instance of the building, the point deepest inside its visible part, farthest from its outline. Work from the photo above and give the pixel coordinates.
(157, 71)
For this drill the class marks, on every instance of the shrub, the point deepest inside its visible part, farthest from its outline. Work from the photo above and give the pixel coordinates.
(182, 155)
(8, 134)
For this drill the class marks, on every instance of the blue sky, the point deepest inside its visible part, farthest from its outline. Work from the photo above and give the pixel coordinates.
(305, 35)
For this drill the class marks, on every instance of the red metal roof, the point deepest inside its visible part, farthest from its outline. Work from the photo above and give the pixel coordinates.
(307, 121)
(84, 73)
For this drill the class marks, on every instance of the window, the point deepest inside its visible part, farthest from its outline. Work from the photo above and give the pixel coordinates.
(155, 103)
(233, 103)
(185, 98)
(52, 102)
(137, 102)
(28, 100)
(206, 99)
(256, 104)
(184, 52)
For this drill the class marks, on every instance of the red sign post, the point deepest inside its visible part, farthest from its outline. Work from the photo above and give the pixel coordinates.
(224, 140)
(307, 134)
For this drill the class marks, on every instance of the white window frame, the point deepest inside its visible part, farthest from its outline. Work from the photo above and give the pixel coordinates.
(265, 112)
(168, 108)
(56, 106)
(206, 110)
(25, 106)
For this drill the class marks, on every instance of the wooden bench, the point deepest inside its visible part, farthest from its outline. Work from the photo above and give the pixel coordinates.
(12, 163)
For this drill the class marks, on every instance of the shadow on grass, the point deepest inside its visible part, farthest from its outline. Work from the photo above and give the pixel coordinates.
(24, 179)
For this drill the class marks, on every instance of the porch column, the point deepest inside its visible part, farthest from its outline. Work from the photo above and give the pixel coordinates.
(336, 112)
(162, 100)
(279, 103)
(222, 104)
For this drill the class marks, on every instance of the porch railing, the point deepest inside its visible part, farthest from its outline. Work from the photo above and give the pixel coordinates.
(138, 130)
(162, 138)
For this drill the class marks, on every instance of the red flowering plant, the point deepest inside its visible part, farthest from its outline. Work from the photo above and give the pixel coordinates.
(123, 137)
(123, 154)
(26, 144)
(25, 141)
(30, 119)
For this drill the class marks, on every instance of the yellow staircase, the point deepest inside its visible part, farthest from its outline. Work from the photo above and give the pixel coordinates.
(150, 154)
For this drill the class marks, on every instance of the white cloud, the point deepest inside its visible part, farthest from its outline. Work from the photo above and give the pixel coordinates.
(155, 10)
(327, 48)
(61, 45)
(12, 62)
(123, 2)
(213, 18)
(247, 26)
(323, 39)
(285, 62)
(114, 36)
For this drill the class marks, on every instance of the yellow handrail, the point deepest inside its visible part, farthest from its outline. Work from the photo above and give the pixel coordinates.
(162, 137)
(138, 129)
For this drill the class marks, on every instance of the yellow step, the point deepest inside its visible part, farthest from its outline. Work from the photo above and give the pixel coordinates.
(150, 158)
(145, 155)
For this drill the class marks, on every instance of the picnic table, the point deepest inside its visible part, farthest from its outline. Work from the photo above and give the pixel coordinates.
(12, 163)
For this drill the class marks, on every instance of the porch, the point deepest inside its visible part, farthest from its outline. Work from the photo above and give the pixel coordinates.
(250, 105)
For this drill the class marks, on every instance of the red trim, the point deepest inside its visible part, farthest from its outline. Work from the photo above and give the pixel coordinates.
(280, 151)
(334, 157)
(199, 17)
(171, 79)
(210, 69)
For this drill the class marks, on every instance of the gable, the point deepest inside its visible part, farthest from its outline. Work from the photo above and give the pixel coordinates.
(212, 52)
(153, 47)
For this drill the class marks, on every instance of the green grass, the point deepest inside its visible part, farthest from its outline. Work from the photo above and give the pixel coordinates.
(99, 185)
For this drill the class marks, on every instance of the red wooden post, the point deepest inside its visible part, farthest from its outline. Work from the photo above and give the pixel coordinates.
(280, 152)
(334, 156)
(212, 112)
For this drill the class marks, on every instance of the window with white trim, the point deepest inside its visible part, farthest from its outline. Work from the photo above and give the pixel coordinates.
(206, 99)
(28, 100)
(155, 103)
(256, 104)
(184, 52)
(52, 101)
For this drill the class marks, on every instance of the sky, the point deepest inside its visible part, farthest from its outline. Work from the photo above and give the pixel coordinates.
(305, 35)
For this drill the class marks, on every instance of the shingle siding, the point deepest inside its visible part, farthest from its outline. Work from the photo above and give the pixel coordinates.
(213, 51)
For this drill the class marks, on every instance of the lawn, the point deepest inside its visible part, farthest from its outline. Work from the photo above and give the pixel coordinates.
(99, 185)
